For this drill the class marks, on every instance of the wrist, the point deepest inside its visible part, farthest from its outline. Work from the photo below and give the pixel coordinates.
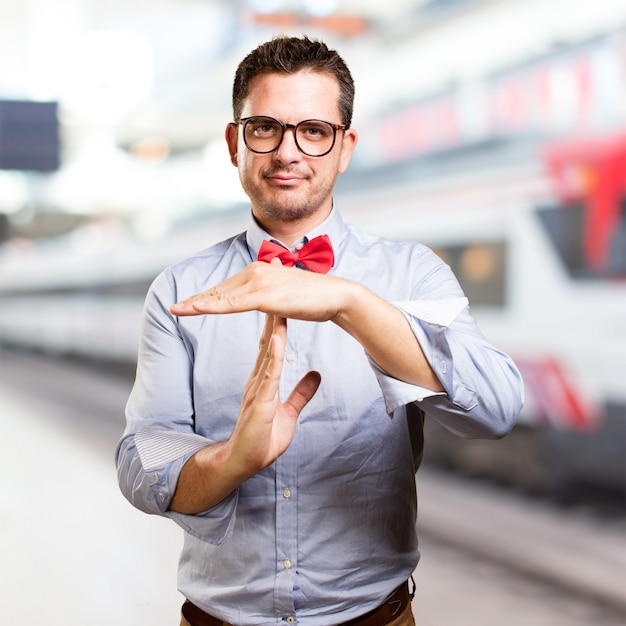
(355, 303)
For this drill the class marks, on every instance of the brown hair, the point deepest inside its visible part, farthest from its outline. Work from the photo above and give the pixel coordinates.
(288, 55)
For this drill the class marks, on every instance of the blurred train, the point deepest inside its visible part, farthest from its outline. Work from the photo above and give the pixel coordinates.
(535, 233)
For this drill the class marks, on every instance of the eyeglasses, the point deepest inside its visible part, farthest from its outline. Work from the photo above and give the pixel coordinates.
(314, 138)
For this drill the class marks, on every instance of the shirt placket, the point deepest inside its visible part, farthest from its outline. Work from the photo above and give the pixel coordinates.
(286, 495)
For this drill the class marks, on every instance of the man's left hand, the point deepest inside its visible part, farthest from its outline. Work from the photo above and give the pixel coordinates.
(272, 288)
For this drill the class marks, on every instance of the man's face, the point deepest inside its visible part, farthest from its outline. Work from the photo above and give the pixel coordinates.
(286, 185)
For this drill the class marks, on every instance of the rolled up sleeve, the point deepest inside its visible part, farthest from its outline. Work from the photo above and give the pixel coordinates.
(483, 388)
(159, 437)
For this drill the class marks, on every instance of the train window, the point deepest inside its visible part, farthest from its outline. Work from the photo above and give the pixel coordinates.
(481, 270)
(589, 245)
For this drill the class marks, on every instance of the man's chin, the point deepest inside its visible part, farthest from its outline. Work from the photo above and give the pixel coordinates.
(288, 209)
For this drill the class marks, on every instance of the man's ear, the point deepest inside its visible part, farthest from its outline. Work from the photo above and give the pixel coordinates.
(350, 139)
(232, 139)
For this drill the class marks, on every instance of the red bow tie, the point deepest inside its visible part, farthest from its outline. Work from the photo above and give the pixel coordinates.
(316, 255)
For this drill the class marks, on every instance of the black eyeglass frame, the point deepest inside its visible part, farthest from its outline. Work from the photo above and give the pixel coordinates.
(293, 127)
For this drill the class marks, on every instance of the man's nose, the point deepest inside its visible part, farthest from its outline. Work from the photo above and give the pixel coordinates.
(288, 150)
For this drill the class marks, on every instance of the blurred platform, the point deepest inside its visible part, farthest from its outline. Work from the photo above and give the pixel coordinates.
(74, 551)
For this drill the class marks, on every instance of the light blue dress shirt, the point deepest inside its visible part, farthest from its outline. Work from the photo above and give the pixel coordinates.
(326, 532)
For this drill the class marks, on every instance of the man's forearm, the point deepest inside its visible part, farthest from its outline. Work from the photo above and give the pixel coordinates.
(387, 337)
(205, 480)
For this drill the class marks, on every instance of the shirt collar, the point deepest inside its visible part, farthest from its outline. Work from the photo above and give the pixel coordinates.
(332, 226)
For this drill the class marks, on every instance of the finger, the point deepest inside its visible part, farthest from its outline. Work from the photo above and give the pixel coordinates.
(196, 304)
(263, 353)
(303, 392)
(268, 377)
(264, 341)
(212, 298)
(277, 326)
(270, 354)
(280, 327)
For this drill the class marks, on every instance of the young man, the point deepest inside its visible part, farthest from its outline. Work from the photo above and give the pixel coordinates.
(290, 462)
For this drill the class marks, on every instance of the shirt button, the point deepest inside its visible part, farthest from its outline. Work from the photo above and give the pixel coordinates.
(299, 246)
(290, 357)
(286, 494)
(287, 564)
(290, 620)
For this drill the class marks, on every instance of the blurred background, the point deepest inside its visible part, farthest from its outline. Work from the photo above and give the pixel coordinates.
(493, 131)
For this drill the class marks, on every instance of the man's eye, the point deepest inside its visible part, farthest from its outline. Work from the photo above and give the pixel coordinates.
(265, 129)
(316, 131)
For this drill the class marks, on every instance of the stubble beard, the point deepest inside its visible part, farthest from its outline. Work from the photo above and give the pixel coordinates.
(285, 209)
(286, 204)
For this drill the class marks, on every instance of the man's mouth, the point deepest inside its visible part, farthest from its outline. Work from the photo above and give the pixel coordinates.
(284, 179)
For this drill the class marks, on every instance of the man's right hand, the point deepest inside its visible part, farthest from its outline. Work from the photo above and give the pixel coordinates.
(266, 425)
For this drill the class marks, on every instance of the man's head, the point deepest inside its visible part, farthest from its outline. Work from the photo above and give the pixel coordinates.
(290, 139)
(289, 55)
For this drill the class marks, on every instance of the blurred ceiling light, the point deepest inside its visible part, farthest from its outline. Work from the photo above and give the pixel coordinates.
(107, 75)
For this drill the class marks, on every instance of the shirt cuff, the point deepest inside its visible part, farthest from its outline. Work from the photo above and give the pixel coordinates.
(440, 312)
(158, 447)
(398, 393)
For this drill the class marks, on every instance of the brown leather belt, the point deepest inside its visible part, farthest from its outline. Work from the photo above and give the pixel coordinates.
(384, 614)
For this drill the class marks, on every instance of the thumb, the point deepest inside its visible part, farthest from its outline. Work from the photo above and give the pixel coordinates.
(303, 392)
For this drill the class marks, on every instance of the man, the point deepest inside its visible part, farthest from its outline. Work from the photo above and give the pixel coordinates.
(290, 461)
